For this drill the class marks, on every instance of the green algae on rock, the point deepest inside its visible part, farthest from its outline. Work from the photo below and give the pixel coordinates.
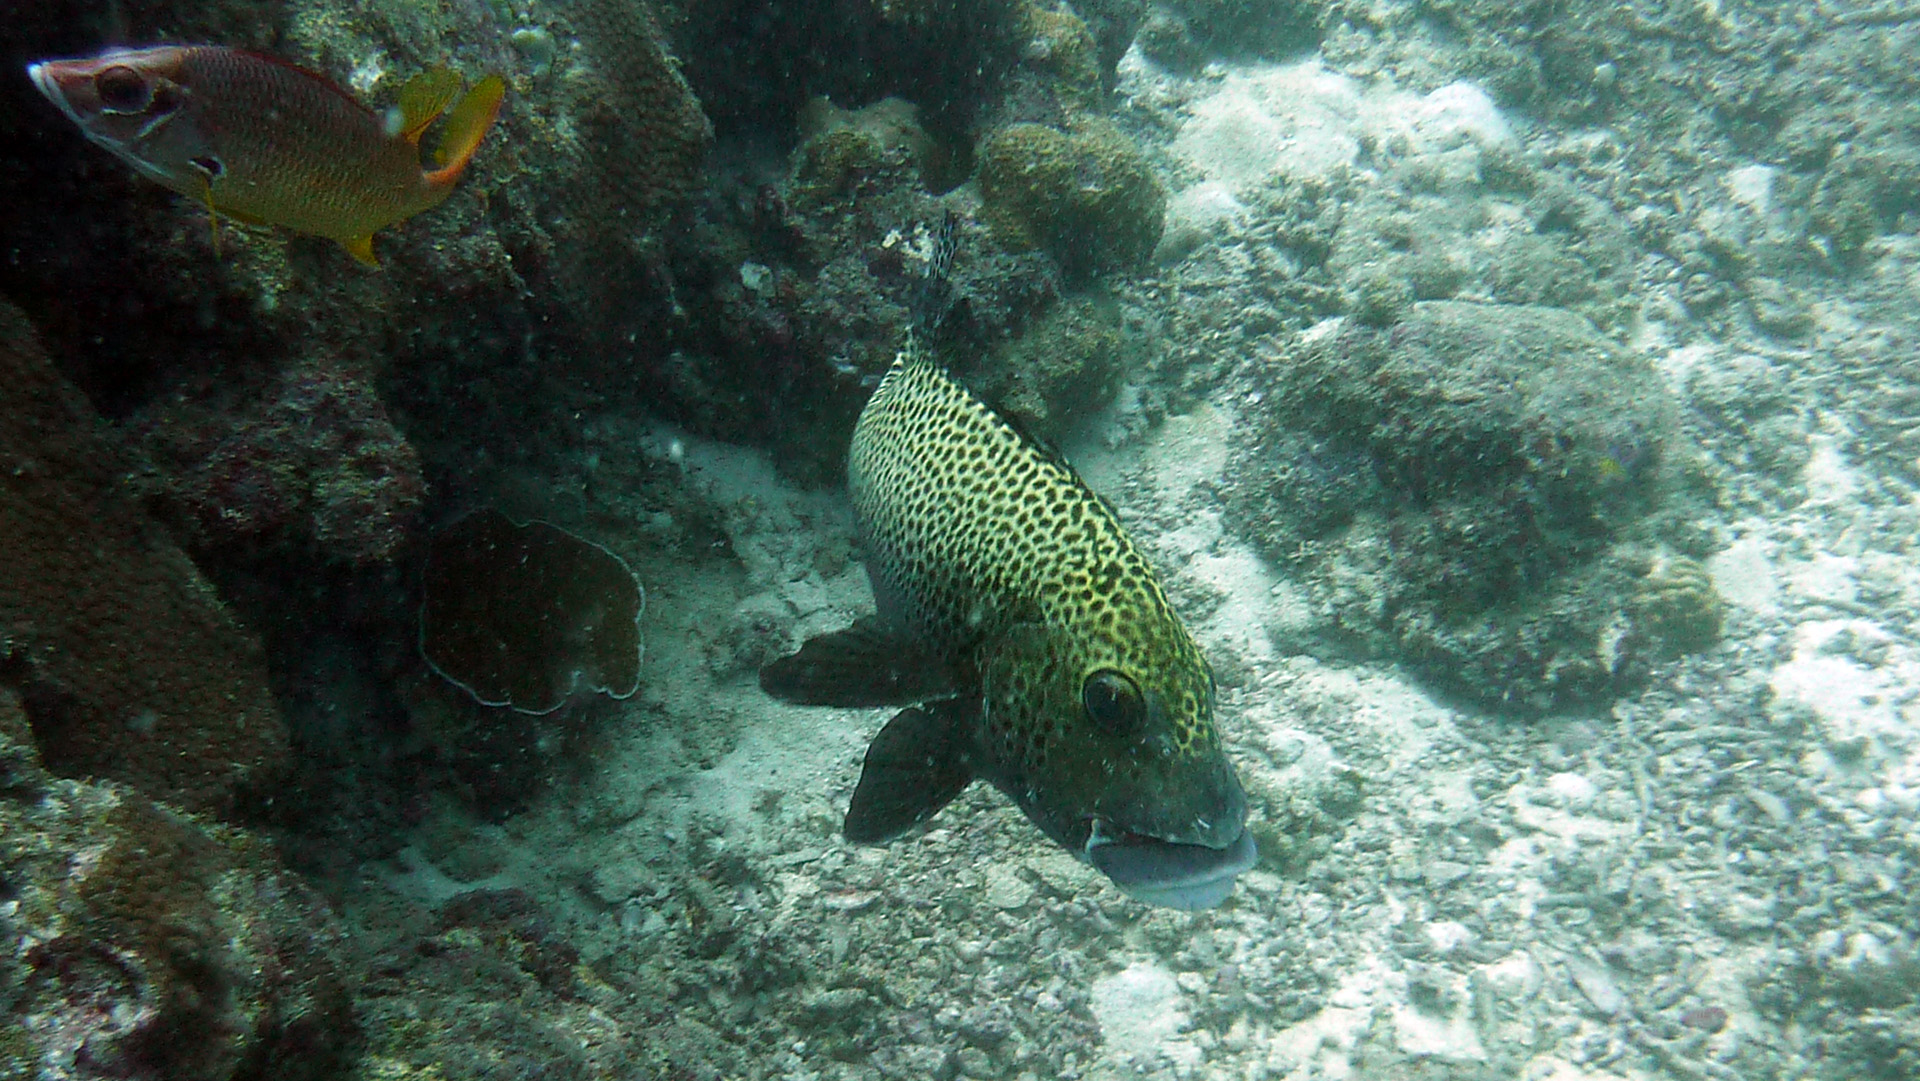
(1086, 196)
(1061, 44)
(525, 616)
(841, 148)
(1065, 364)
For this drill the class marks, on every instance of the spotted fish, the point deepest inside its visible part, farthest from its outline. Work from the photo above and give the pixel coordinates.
(1032, 644)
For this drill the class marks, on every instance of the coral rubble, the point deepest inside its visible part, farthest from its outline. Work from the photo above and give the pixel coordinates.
(1484, 462)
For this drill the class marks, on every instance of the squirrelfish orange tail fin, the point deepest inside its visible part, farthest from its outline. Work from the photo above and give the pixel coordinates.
(467, 124)
(422, 100)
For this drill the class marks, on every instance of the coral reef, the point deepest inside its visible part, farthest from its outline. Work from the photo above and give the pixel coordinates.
(1060, 44)
(143, 942)
(1480, 465)
(1113, 24)
(621, 141)
(312, 458)
(1087, 196)
(527, 616)
(130, 666)
(1275, 29)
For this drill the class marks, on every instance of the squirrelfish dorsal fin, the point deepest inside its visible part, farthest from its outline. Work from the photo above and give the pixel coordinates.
(423, 99)
(467, 124)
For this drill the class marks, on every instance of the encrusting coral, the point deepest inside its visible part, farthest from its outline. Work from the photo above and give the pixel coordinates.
(138, 941)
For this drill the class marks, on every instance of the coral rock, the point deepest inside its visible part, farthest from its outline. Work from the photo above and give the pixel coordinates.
(138, 941)
(314, 458)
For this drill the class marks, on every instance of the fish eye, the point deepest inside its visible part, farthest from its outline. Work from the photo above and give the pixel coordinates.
(1113, 703)
(122, 90)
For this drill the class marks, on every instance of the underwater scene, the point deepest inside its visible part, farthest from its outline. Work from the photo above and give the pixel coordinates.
(1009, 540)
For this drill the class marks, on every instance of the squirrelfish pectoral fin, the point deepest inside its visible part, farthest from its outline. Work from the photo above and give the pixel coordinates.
(914, 767)
(467, 124)
(423, 99)
(361, 248)
(868, 664)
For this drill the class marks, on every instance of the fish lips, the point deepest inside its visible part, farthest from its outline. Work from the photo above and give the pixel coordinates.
(1167, 873)
(46, 79)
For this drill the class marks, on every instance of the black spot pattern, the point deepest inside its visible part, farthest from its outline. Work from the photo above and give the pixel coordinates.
(978, 531)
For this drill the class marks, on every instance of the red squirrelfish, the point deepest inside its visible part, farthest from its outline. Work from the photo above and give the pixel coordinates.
(265, 142)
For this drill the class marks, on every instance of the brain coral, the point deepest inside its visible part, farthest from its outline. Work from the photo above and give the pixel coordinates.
(129, 665)
(1087, 196)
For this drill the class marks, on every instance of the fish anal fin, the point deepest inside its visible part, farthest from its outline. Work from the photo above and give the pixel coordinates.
(361, 248)
(914, 767)
(213, 214)
(467, 124)
(424, 98)
(867, 664)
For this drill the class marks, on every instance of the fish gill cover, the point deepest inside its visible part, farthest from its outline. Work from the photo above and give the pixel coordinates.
(525, 616)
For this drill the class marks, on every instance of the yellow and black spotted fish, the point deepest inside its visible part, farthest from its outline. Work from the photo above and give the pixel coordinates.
(1033, 644)
(265, 142)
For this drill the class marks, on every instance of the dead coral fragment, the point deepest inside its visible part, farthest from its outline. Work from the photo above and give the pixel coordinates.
(526, 615)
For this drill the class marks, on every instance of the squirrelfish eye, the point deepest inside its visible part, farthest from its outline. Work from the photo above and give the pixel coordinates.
(122, 89)
(1113, 703)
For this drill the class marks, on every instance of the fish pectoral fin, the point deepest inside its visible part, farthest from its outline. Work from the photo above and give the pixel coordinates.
(424, 98)
(914, 767)
(361, 248)
(467, 124)
(868, 664)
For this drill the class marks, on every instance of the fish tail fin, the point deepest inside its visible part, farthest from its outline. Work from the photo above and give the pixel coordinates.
(422, 100)
(467, 124)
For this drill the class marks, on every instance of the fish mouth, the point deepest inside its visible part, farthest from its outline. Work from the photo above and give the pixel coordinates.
(1167, 873)
(48, 86)
(47, 81)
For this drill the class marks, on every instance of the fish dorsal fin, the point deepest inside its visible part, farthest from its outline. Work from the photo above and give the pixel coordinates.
(914, 767)
(467, 124)
(868, 664)
(424, 98)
